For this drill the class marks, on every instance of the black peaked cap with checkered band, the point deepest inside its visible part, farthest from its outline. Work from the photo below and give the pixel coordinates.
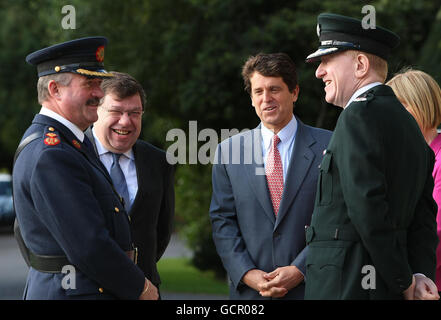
(337, 33)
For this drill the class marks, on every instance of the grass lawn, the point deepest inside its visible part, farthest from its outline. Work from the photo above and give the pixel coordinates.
(178, 275)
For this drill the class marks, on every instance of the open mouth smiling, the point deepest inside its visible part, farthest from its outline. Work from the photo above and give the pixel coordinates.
(270, 108)
(121, 132)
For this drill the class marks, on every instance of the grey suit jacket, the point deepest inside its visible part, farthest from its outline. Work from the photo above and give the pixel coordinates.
(246, 232)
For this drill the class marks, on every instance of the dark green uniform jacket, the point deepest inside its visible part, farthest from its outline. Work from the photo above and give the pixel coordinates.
(374, 223)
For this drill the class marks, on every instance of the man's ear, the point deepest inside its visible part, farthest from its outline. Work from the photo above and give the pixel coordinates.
(295, 93)
(362, 65)
(54, 90)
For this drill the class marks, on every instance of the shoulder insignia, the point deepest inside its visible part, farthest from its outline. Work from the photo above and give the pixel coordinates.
(76, 144)
(51, 139)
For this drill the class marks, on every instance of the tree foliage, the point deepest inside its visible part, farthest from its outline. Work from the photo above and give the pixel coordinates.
(188, 55)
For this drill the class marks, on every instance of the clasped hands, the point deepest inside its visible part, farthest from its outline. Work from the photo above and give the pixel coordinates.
(275, 284)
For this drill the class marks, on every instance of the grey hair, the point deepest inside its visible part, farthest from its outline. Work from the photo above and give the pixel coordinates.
(63, 79)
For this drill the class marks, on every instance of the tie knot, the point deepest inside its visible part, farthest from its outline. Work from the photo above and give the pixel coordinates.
(115, 157)
(276, 139)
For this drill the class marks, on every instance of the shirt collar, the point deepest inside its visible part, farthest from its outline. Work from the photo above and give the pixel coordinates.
(72, 127)
(102, 150)
(362, 90)
(286, 134)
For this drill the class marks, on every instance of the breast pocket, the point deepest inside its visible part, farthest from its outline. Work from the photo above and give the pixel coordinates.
(325, 181)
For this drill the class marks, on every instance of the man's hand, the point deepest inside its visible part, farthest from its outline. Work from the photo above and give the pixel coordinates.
(254, 278)
(280, 281)
(425, 289)
(150, 292)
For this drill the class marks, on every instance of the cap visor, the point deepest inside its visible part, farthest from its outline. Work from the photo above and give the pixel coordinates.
(320, 52)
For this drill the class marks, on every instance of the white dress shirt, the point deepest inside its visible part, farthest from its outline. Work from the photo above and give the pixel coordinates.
(287, 138)
(72, 127)
(360, 91)
(126, 162)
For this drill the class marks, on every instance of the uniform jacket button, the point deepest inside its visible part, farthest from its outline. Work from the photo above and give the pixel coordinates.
(101, 290)
(116, 209)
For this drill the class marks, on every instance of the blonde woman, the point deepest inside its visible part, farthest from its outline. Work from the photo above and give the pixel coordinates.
(420, 94)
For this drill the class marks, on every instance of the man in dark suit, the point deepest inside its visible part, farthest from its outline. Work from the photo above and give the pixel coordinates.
(147, 178)
(373, 230)
(76, 234)
(264, 183)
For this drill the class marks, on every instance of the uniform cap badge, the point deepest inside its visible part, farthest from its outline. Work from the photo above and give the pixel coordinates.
(100, 54)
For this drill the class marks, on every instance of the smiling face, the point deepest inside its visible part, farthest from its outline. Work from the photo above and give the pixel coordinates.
(338, 73)
(273, 101)
(78, 101)
(119, 122)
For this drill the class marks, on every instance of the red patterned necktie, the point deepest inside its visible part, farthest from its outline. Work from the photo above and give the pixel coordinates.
(274, 174)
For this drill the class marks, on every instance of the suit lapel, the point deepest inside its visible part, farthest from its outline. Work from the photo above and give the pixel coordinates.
(94, 158)
(256, 171)
(89, 134)
(299, 165)
(143, 175)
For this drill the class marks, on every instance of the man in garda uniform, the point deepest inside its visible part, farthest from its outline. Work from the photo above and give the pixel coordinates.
(66, 206)
(374, 215)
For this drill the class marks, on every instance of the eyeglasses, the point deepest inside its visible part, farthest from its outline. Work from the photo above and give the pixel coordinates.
(114, 113)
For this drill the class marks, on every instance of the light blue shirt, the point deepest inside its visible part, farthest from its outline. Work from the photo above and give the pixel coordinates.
(126, 162)
(287, 138)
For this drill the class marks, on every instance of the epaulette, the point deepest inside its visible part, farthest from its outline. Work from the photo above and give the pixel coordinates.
(51, 137)
(360, 99)
(364, 97)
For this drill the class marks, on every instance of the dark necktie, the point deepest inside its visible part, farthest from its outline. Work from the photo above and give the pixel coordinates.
(274, 174)
(119, 180)
(88, 146)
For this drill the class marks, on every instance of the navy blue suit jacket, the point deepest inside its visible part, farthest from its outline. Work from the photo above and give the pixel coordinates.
(153, 209)
(65, 205)
(246, 232)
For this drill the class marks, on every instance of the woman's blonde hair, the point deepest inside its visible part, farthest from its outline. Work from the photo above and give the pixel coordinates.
(421, 94)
